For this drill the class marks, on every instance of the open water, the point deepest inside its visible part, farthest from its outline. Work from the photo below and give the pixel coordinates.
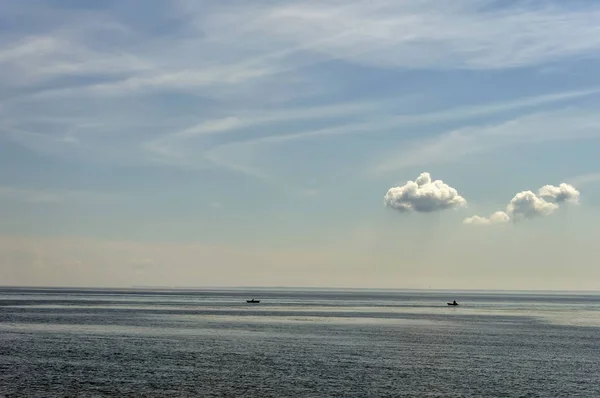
(310, 343)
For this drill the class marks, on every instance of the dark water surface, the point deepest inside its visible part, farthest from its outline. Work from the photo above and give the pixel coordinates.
(210, 343)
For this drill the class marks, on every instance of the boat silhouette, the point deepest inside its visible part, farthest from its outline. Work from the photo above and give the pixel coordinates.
(253, 301)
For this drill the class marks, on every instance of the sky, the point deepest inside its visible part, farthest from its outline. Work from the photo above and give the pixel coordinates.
(410, 145)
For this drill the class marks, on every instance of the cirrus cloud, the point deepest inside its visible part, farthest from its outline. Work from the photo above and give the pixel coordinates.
(423, 196)
(527, 205)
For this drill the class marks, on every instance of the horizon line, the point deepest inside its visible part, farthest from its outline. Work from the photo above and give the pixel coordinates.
(291, 288)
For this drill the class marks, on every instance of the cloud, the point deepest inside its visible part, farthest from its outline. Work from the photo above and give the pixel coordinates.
(220, 65)
(245, 43)
(423, 195)
(170, 144)
(562, 193)
(498, 217)
(585, 179)
(445, 147)
(433, 34)
(384, 121)
(527, 205)
(556, 125)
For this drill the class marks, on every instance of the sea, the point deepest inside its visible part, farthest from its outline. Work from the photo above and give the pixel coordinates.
(297, 343)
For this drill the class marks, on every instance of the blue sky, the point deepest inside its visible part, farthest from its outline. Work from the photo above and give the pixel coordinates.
(200, 139)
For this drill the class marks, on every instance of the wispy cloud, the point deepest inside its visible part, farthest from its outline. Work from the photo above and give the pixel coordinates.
(585, 179)
(158, 91)
(35, 59)
(565, 124)
(438, 149)
(436, 34)
(383, 122)
(236, 43)
(170, 143)
(232, 123)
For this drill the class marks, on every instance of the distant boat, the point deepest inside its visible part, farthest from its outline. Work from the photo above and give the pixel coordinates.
(253, 301)
(453, 303)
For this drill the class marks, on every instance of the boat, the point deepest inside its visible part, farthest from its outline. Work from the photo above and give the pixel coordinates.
(453, 303)
(253, 301)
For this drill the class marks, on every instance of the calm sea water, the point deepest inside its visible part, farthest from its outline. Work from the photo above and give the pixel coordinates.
(75, 342)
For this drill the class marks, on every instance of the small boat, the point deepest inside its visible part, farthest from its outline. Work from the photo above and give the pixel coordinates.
(453, 303)
(253, 301)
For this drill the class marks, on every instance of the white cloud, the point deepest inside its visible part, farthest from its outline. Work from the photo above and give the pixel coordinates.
(527, 205)
(562, 193)
(423, 195)
(498, 217)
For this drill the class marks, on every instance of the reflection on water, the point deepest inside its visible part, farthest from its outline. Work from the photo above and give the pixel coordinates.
(297, 343)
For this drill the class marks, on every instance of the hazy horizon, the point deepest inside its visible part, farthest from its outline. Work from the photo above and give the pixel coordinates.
(307, 289)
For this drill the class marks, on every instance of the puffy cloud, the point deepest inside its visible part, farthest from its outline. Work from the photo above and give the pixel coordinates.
(498, 217)
(526, 205)
(562, 193)
(423, 195)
